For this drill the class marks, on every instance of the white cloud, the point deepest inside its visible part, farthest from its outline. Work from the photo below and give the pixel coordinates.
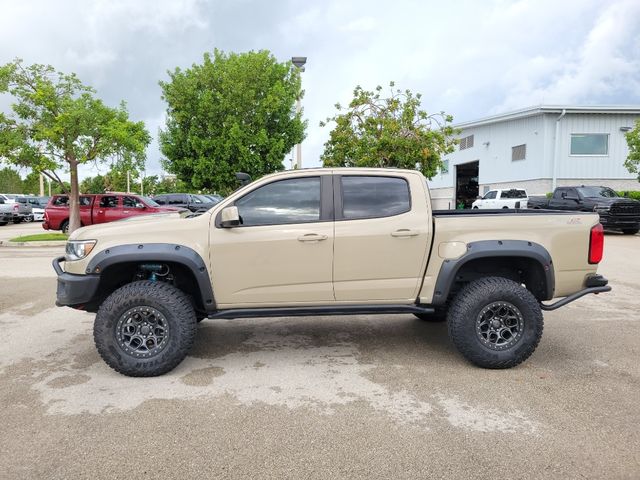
(468, 58)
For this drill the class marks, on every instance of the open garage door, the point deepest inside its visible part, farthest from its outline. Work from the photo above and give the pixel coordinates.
(467, 189)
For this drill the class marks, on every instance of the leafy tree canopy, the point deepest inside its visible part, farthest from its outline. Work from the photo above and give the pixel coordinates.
(57, 123)
(234, 112)
(388, 132)
(633, 141)
(10, 181)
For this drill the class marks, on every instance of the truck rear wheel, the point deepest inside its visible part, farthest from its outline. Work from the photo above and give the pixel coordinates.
(145, 329)
(495, 322)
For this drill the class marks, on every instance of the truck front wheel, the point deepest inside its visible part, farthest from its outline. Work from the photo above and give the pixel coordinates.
(495, 322)
(145, 328)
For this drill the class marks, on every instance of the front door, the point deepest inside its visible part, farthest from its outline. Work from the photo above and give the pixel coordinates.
(282, 253)
(382, 236)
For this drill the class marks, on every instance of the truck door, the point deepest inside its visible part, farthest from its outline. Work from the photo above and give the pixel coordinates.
(107, 208)
(282, 253)
(382, 237)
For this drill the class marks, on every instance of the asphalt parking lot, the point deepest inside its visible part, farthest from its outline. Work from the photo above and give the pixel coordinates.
(327, 397)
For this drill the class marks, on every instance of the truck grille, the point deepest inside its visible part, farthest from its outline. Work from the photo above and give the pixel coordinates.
(625, 208)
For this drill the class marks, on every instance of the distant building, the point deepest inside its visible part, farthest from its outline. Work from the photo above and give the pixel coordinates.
(538, 148)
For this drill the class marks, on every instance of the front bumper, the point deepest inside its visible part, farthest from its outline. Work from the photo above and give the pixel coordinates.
(594, 284)
(619, 221)
(74, 290)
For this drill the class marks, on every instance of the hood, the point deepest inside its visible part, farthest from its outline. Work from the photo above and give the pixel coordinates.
(611, 200)
(161, 226)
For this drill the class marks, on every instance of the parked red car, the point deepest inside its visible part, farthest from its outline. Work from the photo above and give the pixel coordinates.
(102, 208)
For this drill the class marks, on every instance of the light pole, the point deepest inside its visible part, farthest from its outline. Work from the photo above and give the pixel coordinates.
(299, 62)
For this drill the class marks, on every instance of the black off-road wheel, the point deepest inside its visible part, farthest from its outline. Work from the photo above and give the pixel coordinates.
(630, 231)
(495, 323)
(145, 328)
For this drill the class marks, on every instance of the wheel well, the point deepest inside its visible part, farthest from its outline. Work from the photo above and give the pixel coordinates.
(524, 270)
(119, 274)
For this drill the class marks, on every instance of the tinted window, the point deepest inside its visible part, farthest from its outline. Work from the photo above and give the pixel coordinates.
(288, 201)
(490, 195)
(366, 197)
(109, 201)
(176, 199)
(60, 201)
(513, 194)
(160, 199)
(130, 202)
(597, 192)
(85, 201)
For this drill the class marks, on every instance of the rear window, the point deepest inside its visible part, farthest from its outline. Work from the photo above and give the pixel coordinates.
(513, 194)
(374, 196)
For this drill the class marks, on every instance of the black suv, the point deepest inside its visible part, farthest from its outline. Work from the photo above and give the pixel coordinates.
(195, 203)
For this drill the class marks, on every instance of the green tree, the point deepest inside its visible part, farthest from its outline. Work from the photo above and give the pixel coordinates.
(234, 112)
(57, 123)
(633, 141)
(92, 184)
(388, 132)
(31, 184)
(10, 181)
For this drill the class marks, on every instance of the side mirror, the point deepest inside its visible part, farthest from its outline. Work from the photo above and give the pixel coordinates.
(230, 217)
(243, 178)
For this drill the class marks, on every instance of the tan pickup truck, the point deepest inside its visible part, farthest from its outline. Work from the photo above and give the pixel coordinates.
(329, 242)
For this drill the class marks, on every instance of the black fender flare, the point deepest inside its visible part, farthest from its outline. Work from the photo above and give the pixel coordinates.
(493, 249)
(158, 252)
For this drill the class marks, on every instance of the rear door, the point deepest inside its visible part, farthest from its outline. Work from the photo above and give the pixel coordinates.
(382, 236)
(107, 208)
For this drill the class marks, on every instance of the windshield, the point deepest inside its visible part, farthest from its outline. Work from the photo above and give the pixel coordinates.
(149, 202)
(597, 192)
(202, 198)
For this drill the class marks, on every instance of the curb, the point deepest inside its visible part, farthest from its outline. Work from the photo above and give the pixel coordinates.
(50, 243)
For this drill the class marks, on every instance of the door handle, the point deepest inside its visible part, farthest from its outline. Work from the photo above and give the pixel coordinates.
(100, 211)
(405, 232)
(125, 211)
(311, 237)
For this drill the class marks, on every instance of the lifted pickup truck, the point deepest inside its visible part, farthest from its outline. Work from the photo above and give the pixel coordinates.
(327, 242)
(615, 212)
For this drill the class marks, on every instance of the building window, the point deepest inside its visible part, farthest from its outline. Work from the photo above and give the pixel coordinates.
(589, 144)
(466, 142)
(445, 167)
(519, 152)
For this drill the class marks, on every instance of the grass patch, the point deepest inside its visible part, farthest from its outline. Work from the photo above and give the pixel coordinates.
(41, 237)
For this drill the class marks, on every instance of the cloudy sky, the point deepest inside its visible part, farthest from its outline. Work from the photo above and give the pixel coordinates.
(468, 58)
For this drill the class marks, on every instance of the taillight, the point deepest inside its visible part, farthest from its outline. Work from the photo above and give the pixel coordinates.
(15, 207)
(596, 244)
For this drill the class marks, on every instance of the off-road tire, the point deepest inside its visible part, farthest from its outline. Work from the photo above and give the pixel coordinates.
(465, 313)
(440, 315)
(630, 231)
(170, 302)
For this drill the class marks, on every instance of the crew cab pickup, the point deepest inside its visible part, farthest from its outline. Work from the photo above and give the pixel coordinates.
(12, 210)
(615, 212)
(329, 242)
(502, 198)
(101, 208)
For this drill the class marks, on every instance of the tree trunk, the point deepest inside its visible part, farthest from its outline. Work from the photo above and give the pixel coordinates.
(74, 199)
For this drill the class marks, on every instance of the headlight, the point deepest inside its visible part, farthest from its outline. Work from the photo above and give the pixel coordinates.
(78, 249)
(601, 209)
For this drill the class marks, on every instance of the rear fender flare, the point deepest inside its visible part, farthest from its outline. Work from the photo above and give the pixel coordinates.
(493, 249)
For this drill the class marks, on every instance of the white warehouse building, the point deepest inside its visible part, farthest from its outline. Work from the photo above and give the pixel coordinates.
(537, 149)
